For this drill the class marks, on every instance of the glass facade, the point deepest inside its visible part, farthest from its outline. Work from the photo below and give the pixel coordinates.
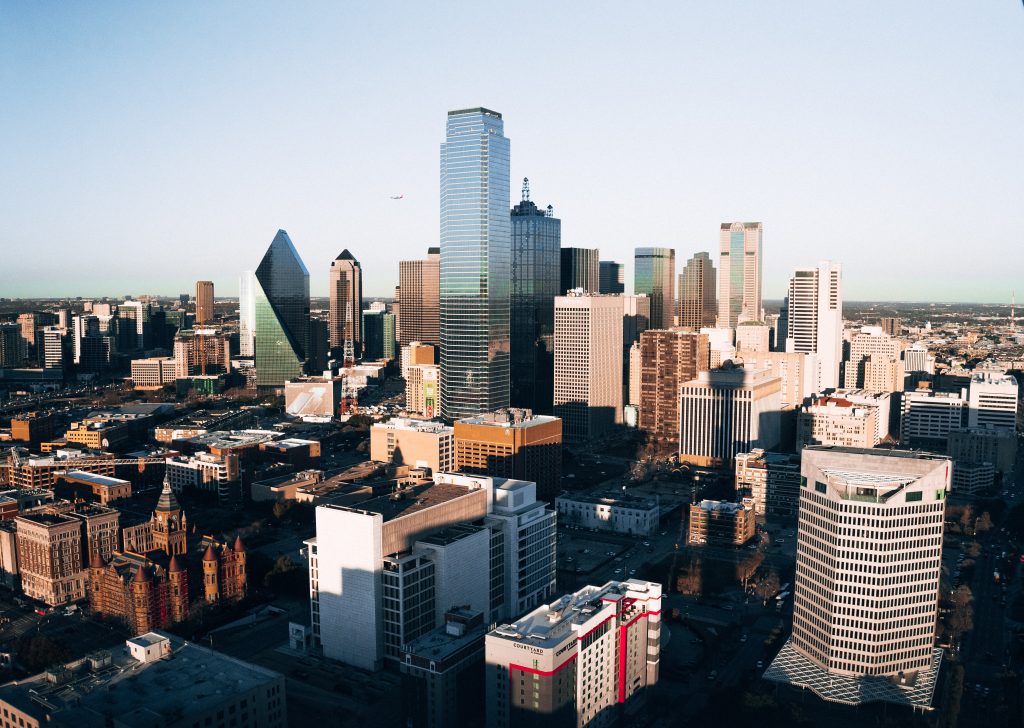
(536, 241)
(378, 335)
(580, 269)
(611, 277)
(739, 273)
(476, 253)
(654, 274)
(282, 314)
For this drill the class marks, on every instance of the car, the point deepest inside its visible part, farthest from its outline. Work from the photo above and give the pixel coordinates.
(760, 664)
(728, 607)
(713, 675)
(618, 571)
(633, 571)
(743, 638)
(647, 543)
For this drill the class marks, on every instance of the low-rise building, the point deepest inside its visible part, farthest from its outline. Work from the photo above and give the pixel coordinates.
(153, 373)
(284, 487)
(582, 660)
(618, 512)
(721, 522)
(417, 443)
(205, 472)
(150, 682)
(772, 479)
(101, 488)
(836, 421)
(970, 479)
(50, 557)
(983, 445)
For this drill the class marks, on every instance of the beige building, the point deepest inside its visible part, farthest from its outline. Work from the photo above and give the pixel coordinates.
(420, 284)
(586, 657)
(795, 370)
(752, 337)
(101, 528)
(874, 362)
(512, 443)
(771, 479)
(721, 522)
(345, 319)
(201, 352)
(416, 443)
(423, 389)
(204, 302)
(50, 558)
(865, 595)
(153, 373)
(727, 411)
(588, 364)
(836, 421)
(635, 367)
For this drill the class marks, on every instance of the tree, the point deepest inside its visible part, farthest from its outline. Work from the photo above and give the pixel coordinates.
(965, 519)
(749, 566)
(961, 616)
(984, 523)
(282, 509)
(973, 549)
(768, 586)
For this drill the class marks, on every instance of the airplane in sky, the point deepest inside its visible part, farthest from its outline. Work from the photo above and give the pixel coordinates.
(397, 197)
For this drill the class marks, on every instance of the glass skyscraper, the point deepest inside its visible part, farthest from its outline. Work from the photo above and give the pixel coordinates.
(282, 314)
(739, 273)
(476, 253)
(654, 274)
(536, 241)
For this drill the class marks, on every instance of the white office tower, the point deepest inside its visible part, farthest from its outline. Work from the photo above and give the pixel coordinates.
(247, 314)
(917, 359)
(928, 416)
(728, 411)
(523, 542)
(865, 596)
(720, 346)
(815, 318)
(583, 660)
(992, 401)
(588, 364)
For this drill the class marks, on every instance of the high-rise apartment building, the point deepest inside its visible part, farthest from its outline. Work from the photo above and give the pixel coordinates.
(874, 360)
(247, 314)
(992, 401)
(864, 624)
(583, 660)
(588, 364)
(513, 443)
(668, 359)
(815, 318)
(345, 326)
(476, 256)
(753, 337)
(698, 303)
(420, 284)
(654, 274)
(611, 277)
(917, 359)
(13, 350)
(51, 352)
(727, 411)
(204, 302)
(739, 273)
(580, 268)
(536, 262)
(282, 314)
(135, 316)
(891, 325)
(201, 352)
(423, 389)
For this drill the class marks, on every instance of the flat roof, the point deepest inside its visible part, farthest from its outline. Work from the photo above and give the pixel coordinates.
(46, 519)
(233, 438)
(612, 499)
(101, 480)
(414, 498)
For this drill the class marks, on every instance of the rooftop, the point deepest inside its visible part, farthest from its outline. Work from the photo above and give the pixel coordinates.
(134, 693)
(94, 479)
(409, 500)
(722, 506)
(511, 417)
(405, 423)
(233, 438)
(612, 498)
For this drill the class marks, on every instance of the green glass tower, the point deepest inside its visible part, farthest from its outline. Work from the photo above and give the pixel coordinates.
(282, 314)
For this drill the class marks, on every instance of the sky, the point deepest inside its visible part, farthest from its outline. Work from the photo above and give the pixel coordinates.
(148, 145)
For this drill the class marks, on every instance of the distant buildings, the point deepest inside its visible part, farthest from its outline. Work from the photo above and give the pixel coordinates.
(727, 411)
(992, 401)
(816, 319)
(346, 306)
(282, 314)
(420, 284)
(721, 522)
(771, 479)
(580, 268)
(753, 337)
(698, 304)
(611, 277)
(247, 314)
(13, 350)
(668, 359)
(204, 302)
(476, 257)
(536, 265)
(654, 274)
(861, 634)
(201, 352)
(588, 364)
(583, 660)
(739, 273)
(512, 443)
(154, 373)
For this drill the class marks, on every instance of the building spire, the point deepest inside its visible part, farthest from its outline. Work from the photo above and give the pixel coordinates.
(526, 189)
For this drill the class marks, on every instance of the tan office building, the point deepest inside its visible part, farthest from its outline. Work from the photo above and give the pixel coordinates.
(420, 284)
(204, 302)
(345, 319)
(837, 421)
(416, 443)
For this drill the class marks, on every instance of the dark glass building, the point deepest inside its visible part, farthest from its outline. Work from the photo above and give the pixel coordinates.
(611, 277)
(580, 269)
(378, 335)
(536, 242)
(282, 314)
(654, 273)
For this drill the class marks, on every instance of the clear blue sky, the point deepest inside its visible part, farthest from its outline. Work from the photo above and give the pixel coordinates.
(146, 145)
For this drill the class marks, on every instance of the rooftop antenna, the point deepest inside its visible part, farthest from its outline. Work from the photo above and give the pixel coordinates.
(526, 189)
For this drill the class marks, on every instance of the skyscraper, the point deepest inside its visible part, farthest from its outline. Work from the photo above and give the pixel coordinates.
(476, 254)
(815, 316)
(379, 334)
(204, 302)
(669, 358)
(419, 282)
(611, 277)
(588, 364)
(698, 305)
(536, 241)
(580, 269)
(739, 273)
(247, 314)
(346, 291)
(654, 273)
(864, 623)
(282, 314)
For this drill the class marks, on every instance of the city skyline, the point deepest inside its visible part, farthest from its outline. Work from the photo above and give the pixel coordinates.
(113, 136)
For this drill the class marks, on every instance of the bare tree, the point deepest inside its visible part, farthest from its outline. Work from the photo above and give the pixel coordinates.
(768, 586)
(984, 523)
